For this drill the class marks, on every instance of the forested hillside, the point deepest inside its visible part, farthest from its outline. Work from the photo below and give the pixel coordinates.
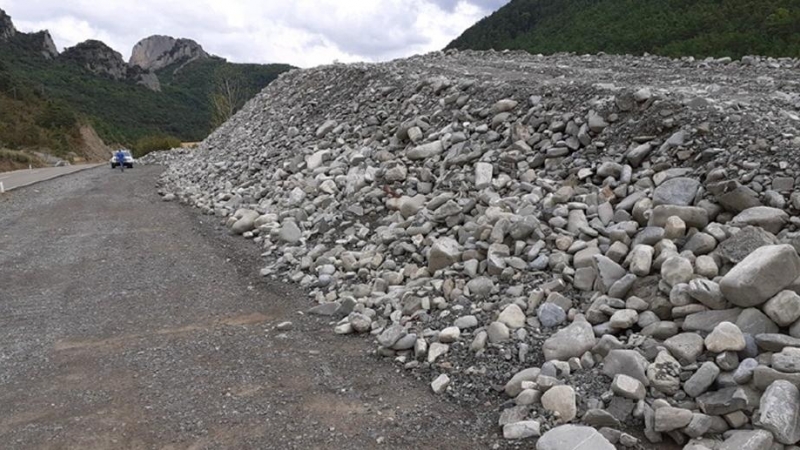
(668, 27)
(45, 97)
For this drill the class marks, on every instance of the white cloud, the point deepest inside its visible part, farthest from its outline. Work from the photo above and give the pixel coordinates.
(299, 32)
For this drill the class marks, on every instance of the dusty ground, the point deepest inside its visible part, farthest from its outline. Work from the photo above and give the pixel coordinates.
(129, 323)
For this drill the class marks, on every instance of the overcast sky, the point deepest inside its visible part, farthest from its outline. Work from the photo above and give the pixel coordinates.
(300, 32)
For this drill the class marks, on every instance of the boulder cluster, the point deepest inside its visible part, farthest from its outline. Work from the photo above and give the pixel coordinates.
(608, 242)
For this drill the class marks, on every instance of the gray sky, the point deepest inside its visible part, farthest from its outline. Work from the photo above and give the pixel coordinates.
(300, 32)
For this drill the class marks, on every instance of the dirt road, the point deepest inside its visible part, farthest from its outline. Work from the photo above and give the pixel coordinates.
(130, 323)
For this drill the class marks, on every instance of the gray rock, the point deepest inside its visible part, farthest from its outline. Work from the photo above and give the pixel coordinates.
(440, 384)
(608, 271)
(480, 287)
(498, 332)
(391, 335)
(752, 321)
(724, 401)
(738, 198)
(664, 373)
(668, 418)
(290, 232)
(521, 430)
(699, 383)
(626, 362)
(783, 308)
(708, 320)
(775, 342)
(466, 322)
(677, 191)
(787, 361)
(628, 387)
(708, 293)
(572, 341)
(770, 219)
(700, 244)
(686, 347)
(512, 316)
(444, 252)
(551, 315)
(573, 437)
(744, 373)
(780, 412)
(677, 270)
(725, 337)
(561, 401)
(483, 175)
(748, 440)
(514, 385)
(425, 151)
(692, 216)
(736, 248)
(761, 275)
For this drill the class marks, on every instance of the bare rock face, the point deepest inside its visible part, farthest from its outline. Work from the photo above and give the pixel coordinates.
(7, 30)
(157, 52)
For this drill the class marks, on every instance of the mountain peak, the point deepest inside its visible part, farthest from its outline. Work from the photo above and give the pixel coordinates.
(157, 52)
(7, 30)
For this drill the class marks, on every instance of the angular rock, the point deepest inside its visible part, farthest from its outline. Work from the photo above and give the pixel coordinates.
(628, 387)
(669, 418)
(573, 437)
(512, 316)
(699, 383)
(572, 341)
(444, 252)
(761, 275)
(748, 440)
(626, 362)
(561, 401)
(677, 191)
(780, 412)
(521, 430)
(783, 308)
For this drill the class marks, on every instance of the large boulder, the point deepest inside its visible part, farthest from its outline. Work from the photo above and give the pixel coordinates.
(780, 412)
(761, 275)
(770, 219)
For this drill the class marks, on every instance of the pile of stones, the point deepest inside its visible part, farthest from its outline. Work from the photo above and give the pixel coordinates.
(608, 242)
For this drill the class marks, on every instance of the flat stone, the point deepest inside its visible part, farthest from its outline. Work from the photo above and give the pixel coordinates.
(573, 437)
(391, 335)
(692, 216)
(775, 342)
(522, 430)
(780, 412)
(764, 376)
(436, 350)
(768, 218)
(514, 385)
(425, 151)
(677, 191)
(754, 322)
(722, 402)
(708, 293)
(466, 322)
(748, 440)
(608, 271)
(708, 320)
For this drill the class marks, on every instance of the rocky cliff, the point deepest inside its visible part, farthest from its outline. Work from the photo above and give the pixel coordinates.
(7, 30)
(98, 58)
(157, 52)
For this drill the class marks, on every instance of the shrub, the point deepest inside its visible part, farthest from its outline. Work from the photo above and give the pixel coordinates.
(149, 144)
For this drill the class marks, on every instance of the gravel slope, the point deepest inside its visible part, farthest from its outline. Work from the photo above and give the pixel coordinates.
(126, 322)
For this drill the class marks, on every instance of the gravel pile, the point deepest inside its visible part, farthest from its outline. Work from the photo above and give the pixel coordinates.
(598, 244)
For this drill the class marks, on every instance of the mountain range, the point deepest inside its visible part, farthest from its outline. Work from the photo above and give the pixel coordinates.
(170, 90)
(699, 28)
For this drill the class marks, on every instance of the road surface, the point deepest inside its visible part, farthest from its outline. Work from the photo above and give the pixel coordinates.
(130, 323)
(20, 178)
